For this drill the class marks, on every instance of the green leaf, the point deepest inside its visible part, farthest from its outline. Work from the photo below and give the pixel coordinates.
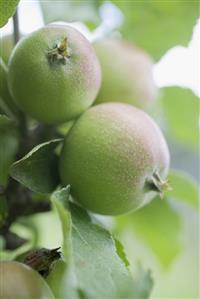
(38, 170)
(8, 147)
(60, 201)
(94, 270)
(104, 275)
(156, 26)
(181, 109)
(121, 252)
(7, 10)
(70, 11)
(184, 188)
(158, 225)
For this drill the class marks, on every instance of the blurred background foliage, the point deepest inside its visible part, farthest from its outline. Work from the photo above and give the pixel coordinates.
(149, 24)
(164, 235)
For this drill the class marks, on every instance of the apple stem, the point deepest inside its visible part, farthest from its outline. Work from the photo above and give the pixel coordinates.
(60, 51)
(156, 183)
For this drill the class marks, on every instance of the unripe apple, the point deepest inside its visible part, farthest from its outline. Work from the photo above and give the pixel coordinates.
(19, 281)
(115, 158)
(126, 74)
(54, 74)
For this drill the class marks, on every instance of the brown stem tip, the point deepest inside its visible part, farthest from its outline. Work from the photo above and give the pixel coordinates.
(42, 259)
(60, 52)
(156, 183)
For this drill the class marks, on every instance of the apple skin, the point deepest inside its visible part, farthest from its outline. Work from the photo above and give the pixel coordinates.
(19, 281)
(127, 75)
(115, 159)
(54, 74)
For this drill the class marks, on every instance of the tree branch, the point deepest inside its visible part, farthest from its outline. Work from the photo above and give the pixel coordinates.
(16, 27)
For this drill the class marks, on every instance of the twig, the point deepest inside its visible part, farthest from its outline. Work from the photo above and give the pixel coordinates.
(16, 27)
(22, 118)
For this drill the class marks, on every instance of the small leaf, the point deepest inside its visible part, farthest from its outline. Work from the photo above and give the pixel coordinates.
(121, 252)
(38, 170)
(184, 188)
(8, 147)
(159, 226)
(94, 270)
(7, 9)
(181, 109)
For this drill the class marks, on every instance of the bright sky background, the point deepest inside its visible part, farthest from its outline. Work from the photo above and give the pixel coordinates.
(179, 66)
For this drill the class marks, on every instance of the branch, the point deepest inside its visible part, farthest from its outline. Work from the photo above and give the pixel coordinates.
(16, 27)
